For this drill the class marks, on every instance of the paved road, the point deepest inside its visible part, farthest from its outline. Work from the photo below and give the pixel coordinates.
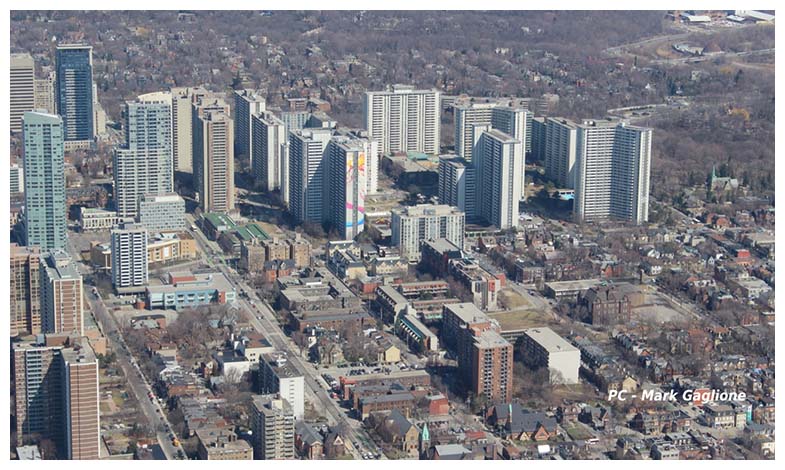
(155, 416)
(263, 319)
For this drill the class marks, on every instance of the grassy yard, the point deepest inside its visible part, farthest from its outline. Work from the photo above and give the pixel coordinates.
(522, 318)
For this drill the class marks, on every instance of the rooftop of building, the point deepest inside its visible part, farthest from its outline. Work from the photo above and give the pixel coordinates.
(168, 197)
(490, 339)
(61, 267)
(186, 281)
(566, 286)
(218, 219)
(549, 340)
(468, 313)
(280, 365)
(427, 210)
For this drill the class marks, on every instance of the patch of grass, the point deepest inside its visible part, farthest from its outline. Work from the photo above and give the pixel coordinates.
(578, 432)
(520, 319)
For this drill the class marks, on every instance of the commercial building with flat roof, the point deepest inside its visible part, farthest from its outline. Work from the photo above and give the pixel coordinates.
(95, 219)
(187, 290)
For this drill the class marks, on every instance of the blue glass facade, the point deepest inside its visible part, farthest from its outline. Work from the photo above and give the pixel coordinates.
(74, 91)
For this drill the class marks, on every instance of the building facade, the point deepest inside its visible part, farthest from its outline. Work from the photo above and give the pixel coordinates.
(277, 375)
(307, 168)
(273, 428)
(411, 225)
(499, 161)
(22, 81)
(44, 167)
(270, 152)
(247, 103)
(74, 92)
(403, 119)
(129, 257)
(24, 291)
(162, 212)
(62, 299)
(346, 185)
(213, 155)
(144, 164)
(560, 145)
(182, 126)
(612, 172)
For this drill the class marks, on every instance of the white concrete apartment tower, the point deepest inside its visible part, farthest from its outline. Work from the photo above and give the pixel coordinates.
(22, 88)
(631, 175)
(247, 103)
(270, 151)
(307, 169)
(559, 151)
(144, 164)
(129, 257)
(347, 185)
(403, 119)
(612, 172)
(499, 161)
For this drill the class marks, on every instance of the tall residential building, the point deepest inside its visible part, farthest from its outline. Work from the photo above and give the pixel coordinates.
(561, 139)
(45, 93)
(612, 171)
(346, 185)
(270, 152)
(499, 160)
(44, 168)
(412, 225)
(144, 164)
(458, 185)
(466, 117)
(508, 116)
(278, 376)
(82, 414)
(74, 92)
(22, 97)
(403, 119)
(24, 292)
(484, 357)
(273, 428)
(307, 168)
(247, 103)
(491, 364)
(129, 257)
(182, 126)
(162, 212)
(17, 179)
(62, 298)
(371, 149)
(538, 136)
(38, 392)
(213, 151)
(57, 397)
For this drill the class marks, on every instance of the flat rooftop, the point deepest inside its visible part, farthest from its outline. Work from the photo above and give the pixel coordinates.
(567, 286)
(468, 312)
(549, 340)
